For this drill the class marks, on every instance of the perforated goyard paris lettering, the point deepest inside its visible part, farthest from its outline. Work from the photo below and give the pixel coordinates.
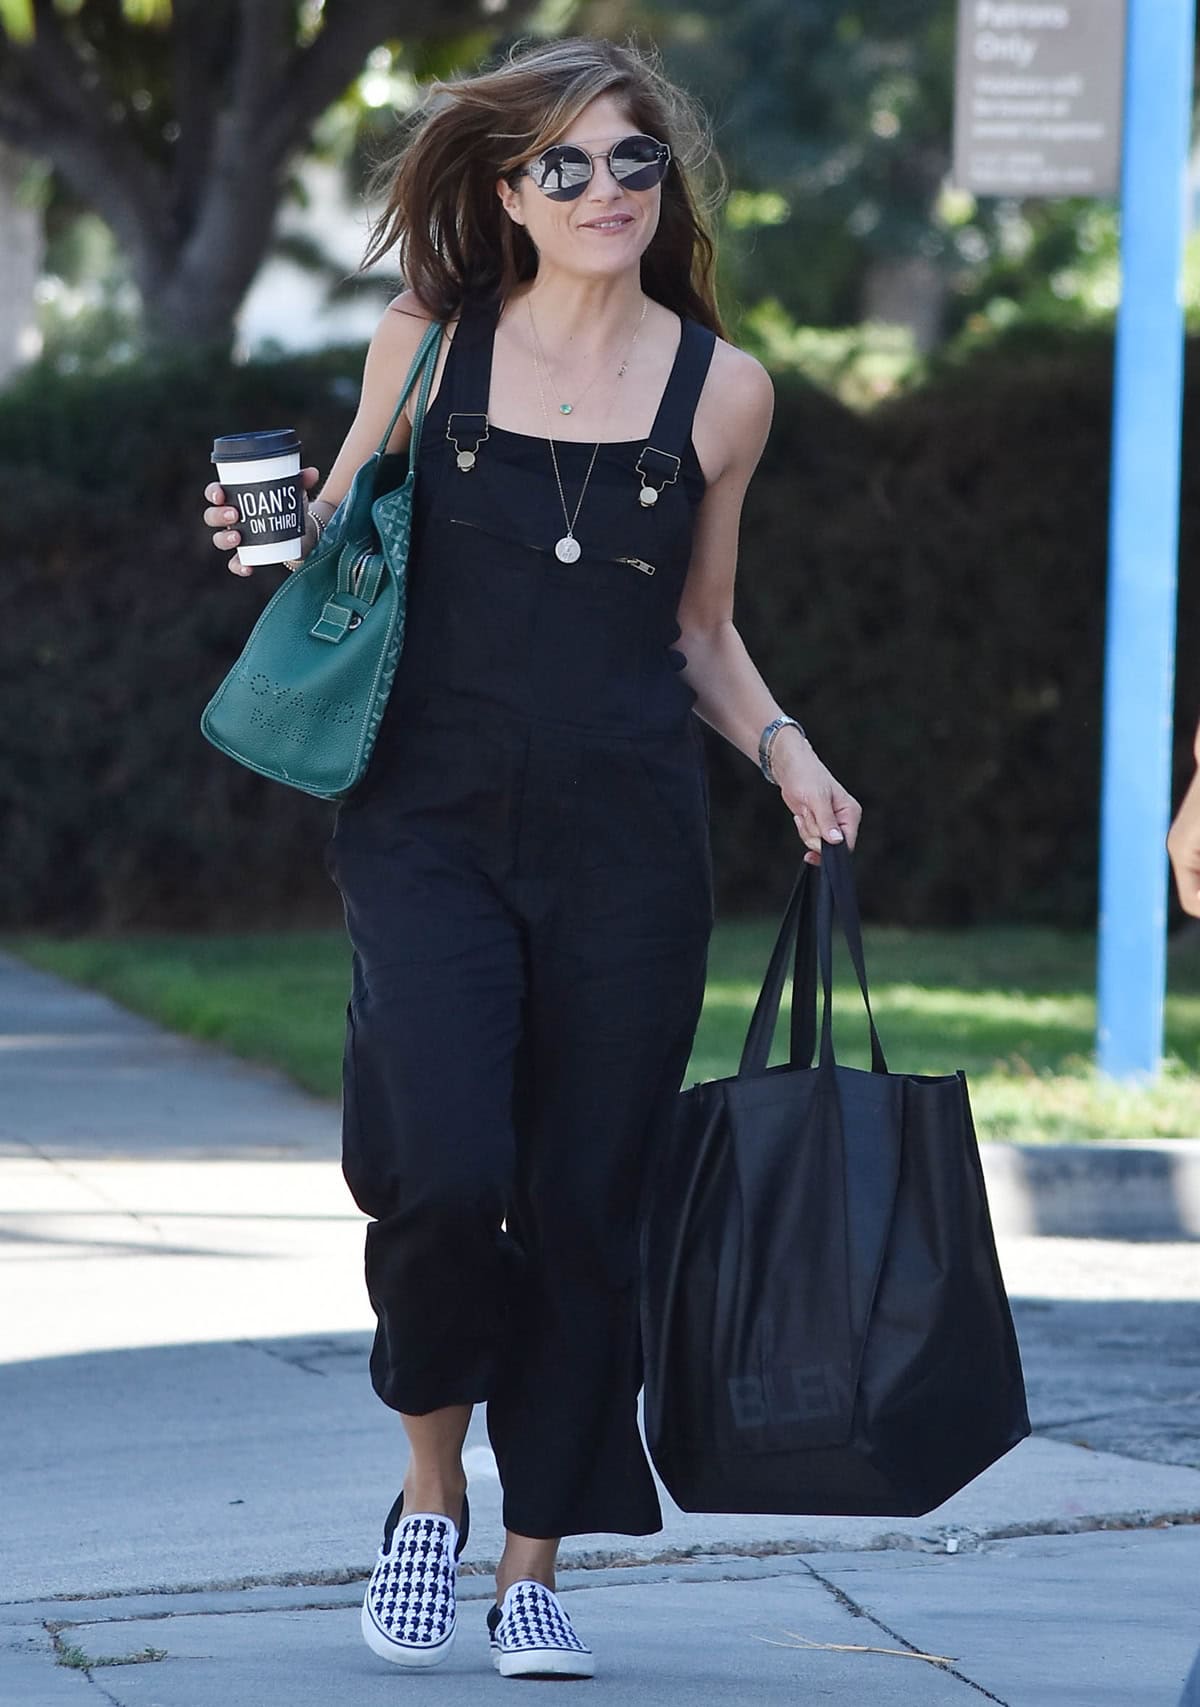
(291, 713)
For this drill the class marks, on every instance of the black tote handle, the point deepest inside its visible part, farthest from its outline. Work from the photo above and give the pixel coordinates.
(838, 894)
(797, 933)
(807, 930)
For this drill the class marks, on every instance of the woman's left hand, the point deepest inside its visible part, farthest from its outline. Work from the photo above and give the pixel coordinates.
(822, 809)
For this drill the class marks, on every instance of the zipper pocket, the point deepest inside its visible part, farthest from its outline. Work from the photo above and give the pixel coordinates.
(546, 550)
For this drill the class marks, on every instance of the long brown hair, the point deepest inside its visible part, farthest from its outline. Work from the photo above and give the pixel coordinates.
(444, 218)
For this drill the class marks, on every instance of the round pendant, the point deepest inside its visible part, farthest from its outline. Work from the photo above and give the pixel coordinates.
(466, 459)
(647, 496)
(567, 549)
(565, 408)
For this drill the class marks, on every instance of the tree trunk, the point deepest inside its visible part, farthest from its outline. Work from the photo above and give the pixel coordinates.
(191, 296)
(906, 290)
(21, 249)
(240, 87)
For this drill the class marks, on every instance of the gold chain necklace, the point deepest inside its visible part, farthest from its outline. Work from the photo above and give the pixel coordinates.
(568, 408)
(567, 549)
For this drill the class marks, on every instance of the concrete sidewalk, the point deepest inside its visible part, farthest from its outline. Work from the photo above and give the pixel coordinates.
(194, 1462)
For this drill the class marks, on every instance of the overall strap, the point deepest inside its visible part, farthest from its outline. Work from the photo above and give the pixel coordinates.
(673, 424)
(472, 378)
(468, 377)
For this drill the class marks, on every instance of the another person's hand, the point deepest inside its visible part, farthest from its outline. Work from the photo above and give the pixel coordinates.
(219, 516)
(1183, 844)
(822, 809)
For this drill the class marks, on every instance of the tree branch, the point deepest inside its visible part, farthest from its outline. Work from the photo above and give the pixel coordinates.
(241, 189)
(201, 28)
(21, 122)
(262, 53)
(98, 158)
(322, 72)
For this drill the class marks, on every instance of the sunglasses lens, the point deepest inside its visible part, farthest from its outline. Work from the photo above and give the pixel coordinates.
(562, 172)
(639, 162)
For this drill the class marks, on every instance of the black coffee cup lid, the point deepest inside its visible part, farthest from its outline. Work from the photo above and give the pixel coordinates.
(246, 447)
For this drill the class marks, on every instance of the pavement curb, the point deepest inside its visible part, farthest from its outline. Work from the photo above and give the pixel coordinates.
(1116, 1189)
(477, 1583)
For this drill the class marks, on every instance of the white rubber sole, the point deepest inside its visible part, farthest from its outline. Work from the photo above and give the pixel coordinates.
(413, 1659)
(544, 1662)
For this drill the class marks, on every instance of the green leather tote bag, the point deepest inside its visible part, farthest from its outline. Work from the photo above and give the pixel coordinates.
(304, 701)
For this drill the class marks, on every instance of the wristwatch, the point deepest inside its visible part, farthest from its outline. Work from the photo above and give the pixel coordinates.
(767, 737)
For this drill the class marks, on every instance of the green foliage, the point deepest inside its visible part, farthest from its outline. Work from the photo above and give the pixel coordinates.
(71, 1655)
(1013, 1008)
(147, 114)
(923, 585)
(860, 365)
(835, 120)
(835, 126)
(16, 19)
(114, 807)
(925, 588)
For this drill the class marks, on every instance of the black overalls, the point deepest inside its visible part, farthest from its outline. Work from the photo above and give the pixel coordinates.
(527, 885)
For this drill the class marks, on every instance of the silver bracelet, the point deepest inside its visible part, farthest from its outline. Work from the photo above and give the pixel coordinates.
(767, 739)
(293, 563)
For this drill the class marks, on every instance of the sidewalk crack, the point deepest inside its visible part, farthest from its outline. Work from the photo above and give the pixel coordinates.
(107, 1204)
(66, 1653)
(850, 1605)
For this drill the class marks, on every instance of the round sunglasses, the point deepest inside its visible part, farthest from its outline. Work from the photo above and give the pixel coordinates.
(564, 170)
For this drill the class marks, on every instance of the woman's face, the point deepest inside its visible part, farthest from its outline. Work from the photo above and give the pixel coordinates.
(607, 228)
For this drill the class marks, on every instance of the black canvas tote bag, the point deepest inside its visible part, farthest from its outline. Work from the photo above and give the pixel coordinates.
(824, 1323)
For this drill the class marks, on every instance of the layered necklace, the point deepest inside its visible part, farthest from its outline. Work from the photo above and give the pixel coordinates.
(567, 549)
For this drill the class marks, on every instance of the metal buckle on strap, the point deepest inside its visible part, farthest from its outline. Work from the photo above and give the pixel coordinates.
(656, 463)
(475, 429)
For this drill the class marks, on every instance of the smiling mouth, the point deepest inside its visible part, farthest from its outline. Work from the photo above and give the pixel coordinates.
(617, 223)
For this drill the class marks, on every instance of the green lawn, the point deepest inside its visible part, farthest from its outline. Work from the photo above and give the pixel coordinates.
(1012, 1007)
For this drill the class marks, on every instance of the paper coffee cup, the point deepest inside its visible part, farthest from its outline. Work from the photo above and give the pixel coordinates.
(260, 474)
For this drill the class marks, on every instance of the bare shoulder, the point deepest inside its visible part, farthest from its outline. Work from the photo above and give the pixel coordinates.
(739, 383)
(402, 325)
(409, 303)
(735, 411)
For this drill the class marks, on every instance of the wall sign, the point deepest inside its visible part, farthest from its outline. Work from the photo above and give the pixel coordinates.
(1038, 93)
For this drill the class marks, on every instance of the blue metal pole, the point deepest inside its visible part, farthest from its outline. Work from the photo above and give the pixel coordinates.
(1144, 540)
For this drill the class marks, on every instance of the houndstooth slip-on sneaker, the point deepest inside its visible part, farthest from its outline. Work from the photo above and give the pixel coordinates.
(532, 1636)
(409, 1609)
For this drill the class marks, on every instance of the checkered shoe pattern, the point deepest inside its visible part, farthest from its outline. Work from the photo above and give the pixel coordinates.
(532, 1636)
(409, 1609)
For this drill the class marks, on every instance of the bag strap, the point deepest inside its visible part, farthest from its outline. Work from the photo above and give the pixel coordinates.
(797, 932)
(807, 930)
(423, 365)
(837, 893)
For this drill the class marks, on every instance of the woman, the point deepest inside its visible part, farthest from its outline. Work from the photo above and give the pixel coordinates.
(525, 868)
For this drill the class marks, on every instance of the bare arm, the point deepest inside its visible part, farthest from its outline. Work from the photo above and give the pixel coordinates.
(392, 348)
(733, 421)
(1183, 843)
(389, 356)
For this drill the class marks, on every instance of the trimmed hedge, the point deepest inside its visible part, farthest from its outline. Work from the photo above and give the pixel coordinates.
(924, 587)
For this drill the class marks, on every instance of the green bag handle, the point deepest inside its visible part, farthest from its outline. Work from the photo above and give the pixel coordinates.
(360, 571)
(423, 360)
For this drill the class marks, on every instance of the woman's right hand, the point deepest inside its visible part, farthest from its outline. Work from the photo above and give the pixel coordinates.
(223, 519)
